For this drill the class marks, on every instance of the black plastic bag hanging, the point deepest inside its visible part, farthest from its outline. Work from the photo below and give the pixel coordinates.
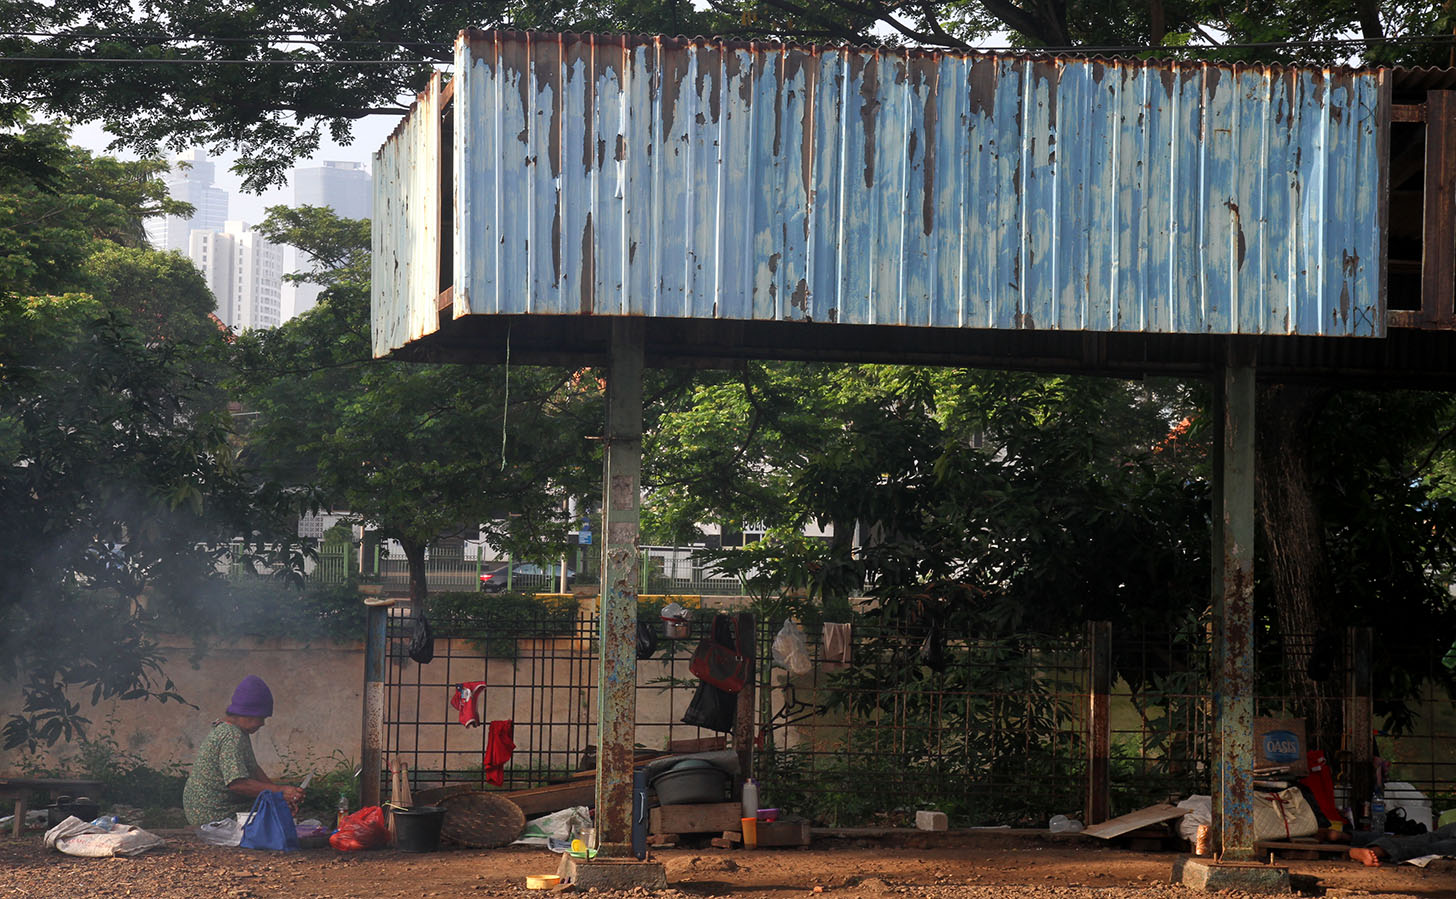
(422, 641)
(646, 640)
(932, 651)
(712, 708)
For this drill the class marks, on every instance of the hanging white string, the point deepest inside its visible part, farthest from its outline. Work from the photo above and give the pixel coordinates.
(506, 405)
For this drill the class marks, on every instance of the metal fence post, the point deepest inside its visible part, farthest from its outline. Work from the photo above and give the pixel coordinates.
(1099, 721)
(371, 754)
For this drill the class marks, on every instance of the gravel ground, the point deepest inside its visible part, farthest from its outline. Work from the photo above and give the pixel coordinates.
(1004, 865)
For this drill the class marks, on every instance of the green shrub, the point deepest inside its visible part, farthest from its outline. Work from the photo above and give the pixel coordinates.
(492, 622)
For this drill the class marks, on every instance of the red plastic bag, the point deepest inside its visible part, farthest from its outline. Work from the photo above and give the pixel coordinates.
(365, 829)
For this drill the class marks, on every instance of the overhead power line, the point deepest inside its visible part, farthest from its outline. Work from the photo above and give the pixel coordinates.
(247, 37)
(220, 62)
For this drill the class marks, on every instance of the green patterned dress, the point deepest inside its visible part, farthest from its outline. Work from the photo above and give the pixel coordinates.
(225, 755)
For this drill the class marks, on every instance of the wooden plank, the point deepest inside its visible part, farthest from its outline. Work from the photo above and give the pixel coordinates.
(1407, 112)
(700, 744)
(702, 817)
(554, 797)
(1438, 246)
(1153, 814)
(783, 833)
(1298, 846)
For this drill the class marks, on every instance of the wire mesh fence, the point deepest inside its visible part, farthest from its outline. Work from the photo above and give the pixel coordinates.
(885, 719)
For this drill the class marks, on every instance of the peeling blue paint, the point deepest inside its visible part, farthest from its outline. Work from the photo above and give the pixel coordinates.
(623, 175)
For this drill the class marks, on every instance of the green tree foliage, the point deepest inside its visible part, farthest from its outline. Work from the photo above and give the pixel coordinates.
(416, 451)
(119, 482)
(270, 80)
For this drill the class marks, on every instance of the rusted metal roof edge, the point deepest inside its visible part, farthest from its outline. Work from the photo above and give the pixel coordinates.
(631, 40)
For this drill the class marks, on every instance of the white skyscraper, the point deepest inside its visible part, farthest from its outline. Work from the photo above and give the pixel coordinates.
(245, 273)
(190, 181)
(344, 187)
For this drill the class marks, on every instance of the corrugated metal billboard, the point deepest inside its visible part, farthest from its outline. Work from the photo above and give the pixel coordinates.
(405, 265)
(690, 178)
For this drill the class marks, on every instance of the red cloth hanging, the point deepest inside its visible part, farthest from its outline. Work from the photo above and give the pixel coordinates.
(500, 743)
(1321, 784)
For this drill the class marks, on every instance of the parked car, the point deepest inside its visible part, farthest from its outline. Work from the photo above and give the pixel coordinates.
(526, 576)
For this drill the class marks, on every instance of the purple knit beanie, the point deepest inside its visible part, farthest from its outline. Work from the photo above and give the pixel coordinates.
(252, 698)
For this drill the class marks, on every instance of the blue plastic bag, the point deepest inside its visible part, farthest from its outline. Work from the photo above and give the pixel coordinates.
(270, 824)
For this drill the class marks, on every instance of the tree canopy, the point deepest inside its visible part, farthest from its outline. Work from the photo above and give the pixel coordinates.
(118, 465)
(416, 451)
(270, 80)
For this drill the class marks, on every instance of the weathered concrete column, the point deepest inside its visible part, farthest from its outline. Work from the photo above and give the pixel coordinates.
(1233, 601)
(622, 520)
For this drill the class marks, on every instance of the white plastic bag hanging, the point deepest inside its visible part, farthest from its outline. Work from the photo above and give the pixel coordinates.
(790, 650)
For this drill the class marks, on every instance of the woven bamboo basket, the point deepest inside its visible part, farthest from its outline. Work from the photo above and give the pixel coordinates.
(481, 820)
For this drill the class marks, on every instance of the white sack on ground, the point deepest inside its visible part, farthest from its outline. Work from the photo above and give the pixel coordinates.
(76, 837)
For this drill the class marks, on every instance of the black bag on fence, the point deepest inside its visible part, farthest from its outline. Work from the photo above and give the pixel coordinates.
(712, 708)
(422, 641)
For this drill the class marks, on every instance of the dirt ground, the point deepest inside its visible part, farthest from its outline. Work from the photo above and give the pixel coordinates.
(957, 865)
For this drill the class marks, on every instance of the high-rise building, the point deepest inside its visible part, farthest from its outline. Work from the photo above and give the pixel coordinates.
(244, 272)
(191, 181)
(344, 187)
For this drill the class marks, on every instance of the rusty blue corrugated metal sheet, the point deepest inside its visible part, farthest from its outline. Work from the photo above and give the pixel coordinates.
(405, 266)
(691, 178)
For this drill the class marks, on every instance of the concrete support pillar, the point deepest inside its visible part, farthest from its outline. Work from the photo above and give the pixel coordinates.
(1233, 601)
(371, 753)
(622, 519)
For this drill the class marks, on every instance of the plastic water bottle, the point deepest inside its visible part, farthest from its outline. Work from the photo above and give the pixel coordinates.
(105, 822)
(343, 808)
(1377, 813)
(750, 798)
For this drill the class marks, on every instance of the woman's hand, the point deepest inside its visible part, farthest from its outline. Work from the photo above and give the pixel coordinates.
(293, 795)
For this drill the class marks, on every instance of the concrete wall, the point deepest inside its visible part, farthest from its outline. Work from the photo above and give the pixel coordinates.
(317, 693)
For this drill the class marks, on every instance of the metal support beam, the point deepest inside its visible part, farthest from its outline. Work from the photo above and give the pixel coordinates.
(622, 520)
(371, 754)
(1233, 602)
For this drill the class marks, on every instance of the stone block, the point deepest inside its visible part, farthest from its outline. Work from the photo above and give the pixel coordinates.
(925, 820)
(1209, 876)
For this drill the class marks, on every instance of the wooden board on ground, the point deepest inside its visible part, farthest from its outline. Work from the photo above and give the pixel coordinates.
(700, 817)
(1153, 814)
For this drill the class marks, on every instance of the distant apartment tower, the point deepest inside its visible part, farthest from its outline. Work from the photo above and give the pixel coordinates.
(191, 181)
(245, 273)
(344, 187)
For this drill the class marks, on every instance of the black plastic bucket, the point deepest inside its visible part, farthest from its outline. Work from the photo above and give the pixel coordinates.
(417, 829)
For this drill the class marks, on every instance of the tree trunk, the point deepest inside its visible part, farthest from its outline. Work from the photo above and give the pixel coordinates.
(414, 554)
(1295, 548)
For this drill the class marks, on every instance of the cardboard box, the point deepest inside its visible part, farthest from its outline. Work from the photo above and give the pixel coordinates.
(1280, 742)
